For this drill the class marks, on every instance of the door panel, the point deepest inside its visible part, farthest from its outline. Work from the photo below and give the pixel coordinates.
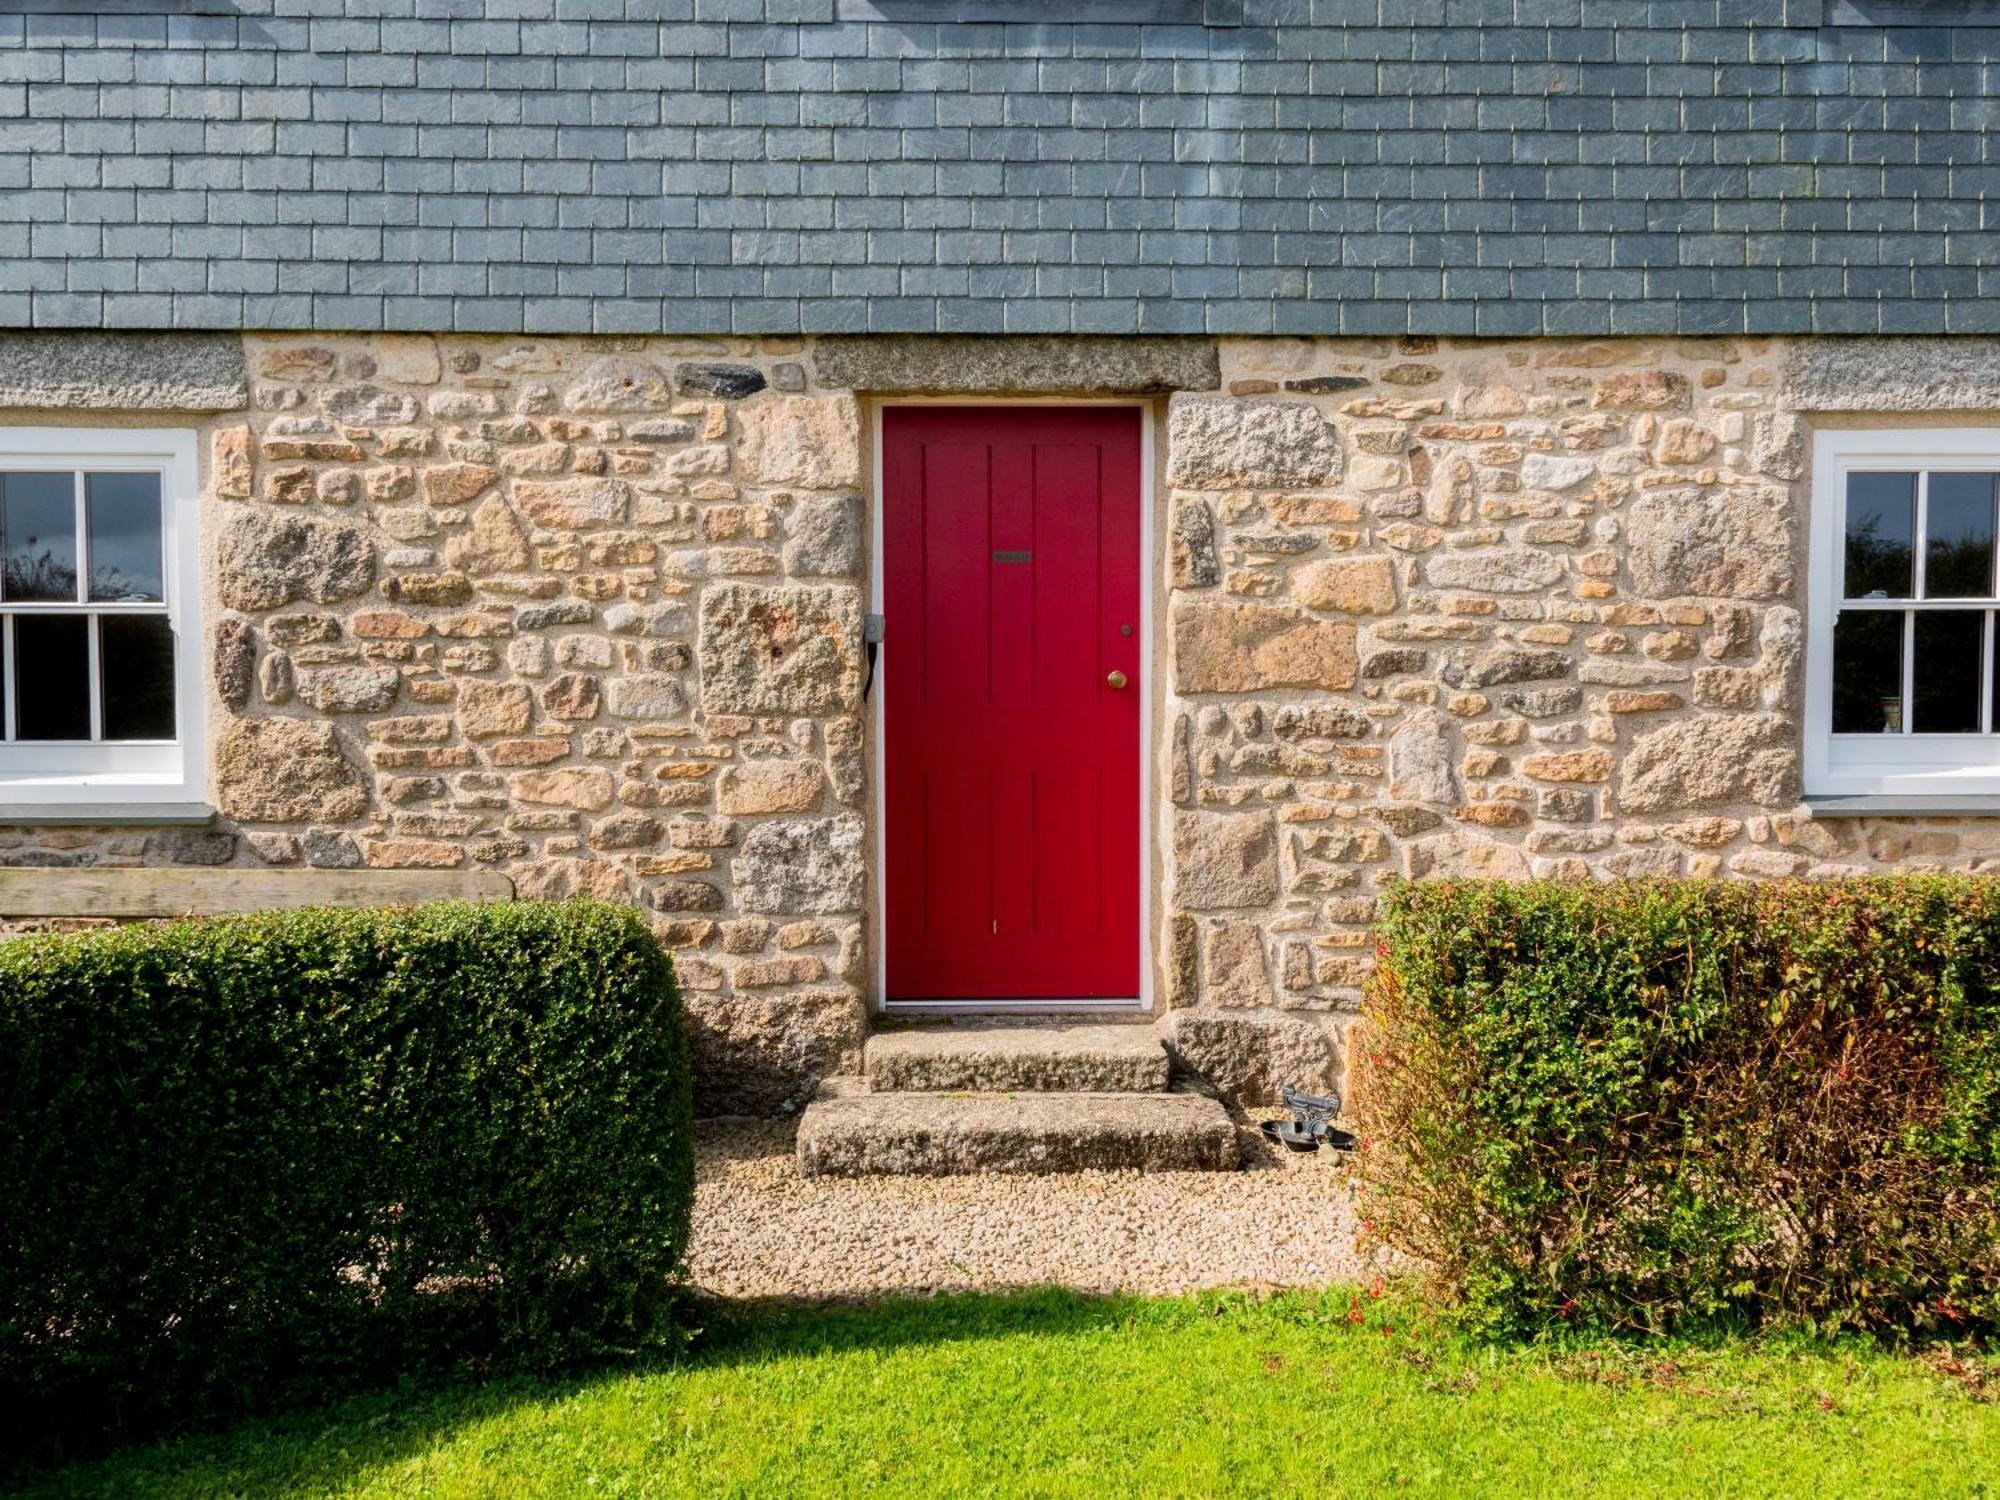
(1011, 590)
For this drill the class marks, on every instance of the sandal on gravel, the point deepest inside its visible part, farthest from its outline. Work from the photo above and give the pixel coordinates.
(1292, 1133)
(1311, 1124)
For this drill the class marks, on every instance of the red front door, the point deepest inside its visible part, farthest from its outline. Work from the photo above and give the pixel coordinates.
(1011, 699)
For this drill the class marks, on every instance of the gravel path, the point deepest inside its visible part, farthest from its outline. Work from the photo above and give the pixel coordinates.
(762, 1230)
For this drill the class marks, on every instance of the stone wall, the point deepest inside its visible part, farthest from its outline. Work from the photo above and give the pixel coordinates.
(1486, 609)
(588, 612)
(584, 612)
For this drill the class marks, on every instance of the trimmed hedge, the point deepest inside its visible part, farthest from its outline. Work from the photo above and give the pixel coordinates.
(256, 1160)
(1660, 1105)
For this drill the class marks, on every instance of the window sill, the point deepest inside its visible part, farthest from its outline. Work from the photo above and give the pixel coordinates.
(1906, 805)
(105, 814)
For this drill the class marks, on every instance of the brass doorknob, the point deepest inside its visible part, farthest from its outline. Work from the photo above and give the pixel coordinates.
(1116, 680)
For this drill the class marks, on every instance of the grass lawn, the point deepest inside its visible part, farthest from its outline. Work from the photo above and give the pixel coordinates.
(1053, 1393)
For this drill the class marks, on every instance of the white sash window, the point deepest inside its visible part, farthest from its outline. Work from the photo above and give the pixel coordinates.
(1903, 679)
(100, 684)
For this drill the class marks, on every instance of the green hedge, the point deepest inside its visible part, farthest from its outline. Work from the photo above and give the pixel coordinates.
(1659, 1105)
(260, 1159)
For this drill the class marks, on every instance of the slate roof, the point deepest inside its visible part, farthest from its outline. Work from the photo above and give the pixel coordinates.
(759, 166)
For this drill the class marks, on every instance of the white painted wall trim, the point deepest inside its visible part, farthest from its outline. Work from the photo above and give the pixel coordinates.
(1149, 563)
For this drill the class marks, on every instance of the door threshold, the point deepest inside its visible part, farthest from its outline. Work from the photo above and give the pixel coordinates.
(973, 1010)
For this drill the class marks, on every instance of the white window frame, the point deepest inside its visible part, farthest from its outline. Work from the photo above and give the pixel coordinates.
(1911, 768)
(142, 774)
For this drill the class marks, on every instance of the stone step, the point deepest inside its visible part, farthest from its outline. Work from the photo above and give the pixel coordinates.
(848, 1134)
(1031, 1059)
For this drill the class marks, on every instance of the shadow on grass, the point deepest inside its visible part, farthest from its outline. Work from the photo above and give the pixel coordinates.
(324, 1448)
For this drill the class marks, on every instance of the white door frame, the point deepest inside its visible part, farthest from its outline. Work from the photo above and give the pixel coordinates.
(1142, 1003)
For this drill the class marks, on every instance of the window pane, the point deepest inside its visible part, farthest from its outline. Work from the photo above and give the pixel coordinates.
(124, 520)
(1868, 672)
(1945, 660)
(136, 653)
(1881, 519)
(1958, 537)
(52, 677)
(37, 537)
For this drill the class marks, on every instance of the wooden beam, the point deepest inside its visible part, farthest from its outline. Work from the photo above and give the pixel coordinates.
(216, 892)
